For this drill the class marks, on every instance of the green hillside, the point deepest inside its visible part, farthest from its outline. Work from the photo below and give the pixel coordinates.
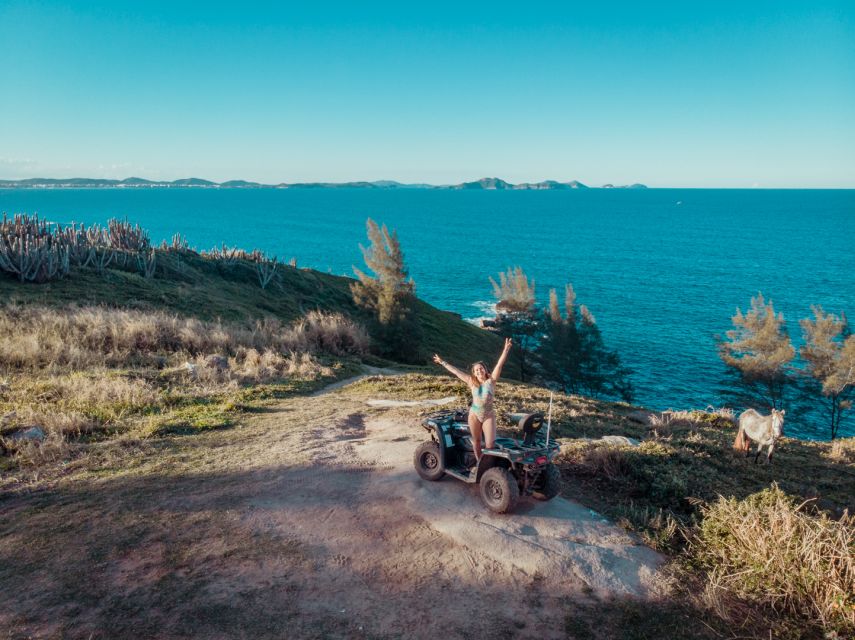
(198, 286)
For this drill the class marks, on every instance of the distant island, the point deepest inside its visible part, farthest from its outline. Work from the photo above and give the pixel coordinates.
(489, 184)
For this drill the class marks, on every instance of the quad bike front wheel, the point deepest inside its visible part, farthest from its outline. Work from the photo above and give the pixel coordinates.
(548, 484)
(499, 490)
(426, 461)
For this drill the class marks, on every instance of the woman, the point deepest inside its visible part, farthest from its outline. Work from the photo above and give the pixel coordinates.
(482, 416)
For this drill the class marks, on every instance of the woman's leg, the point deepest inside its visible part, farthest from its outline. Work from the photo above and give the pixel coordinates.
(475, 431)
(489, 428)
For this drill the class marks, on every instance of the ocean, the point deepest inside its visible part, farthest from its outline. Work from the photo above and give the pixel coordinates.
(662, 270)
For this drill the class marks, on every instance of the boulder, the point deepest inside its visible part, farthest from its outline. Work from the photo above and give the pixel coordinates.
(220, 363)
(642, 416)
(620, 440)
(31, 434)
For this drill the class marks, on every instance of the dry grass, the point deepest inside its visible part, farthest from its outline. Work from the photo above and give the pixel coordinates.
(33, 337)
(842, 451)
(772, 551)
(92, 372)
(606, 460)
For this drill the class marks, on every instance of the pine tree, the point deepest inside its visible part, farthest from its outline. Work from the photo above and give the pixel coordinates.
(514, 292)
(829, 352)
(389, 296)
(574, 353)
(559, 348)
(759, 351)
(515, 313)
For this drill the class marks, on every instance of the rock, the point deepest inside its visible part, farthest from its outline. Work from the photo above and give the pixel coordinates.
(32, 434)
(642, 416)
(620, 440)
(190, 368)
(220, 363)
(376, 402)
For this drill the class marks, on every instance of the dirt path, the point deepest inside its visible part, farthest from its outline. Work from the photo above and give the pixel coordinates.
(309, 522)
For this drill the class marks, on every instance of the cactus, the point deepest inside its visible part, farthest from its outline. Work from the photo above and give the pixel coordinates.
(103, 257)
(126, 237)
(147, 263)
(266, 270)
(32, 249)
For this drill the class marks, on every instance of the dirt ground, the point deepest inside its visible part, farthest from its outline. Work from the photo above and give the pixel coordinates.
(308, 521)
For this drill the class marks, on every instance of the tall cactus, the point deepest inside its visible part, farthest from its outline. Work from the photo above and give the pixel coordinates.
(124, 236)
(32, 250)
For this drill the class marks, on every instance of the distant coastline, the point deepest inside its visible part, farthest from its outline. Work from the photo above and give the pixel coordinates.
(489, 184)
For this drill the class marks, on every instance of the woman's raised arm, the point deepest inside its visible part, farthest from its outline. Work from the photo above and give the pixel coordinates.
(452, 369)
(497, 370)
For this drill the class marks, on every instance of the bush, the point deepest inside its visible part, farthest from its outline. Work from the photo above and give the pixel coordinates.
(772, 551)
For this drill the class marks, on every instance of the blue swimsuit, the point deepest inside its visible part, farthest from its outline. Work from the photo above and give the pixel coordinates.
(482, 401)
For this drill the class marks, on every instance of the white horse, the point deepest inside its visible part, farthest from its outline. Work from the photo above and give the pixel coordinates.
(764, 430)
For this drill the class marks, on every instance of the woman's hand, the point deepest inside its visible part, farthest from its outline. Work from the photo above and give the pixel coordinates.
(508, 344)
(438, 360)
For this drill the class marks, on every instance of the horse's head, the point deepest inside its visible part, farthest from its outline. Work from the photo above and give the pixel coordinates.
(777, 423)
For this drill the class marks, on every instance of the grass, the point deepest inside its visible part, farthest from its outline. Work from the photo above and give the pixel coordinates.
(194, 286)
(94, 373)
(772, 550)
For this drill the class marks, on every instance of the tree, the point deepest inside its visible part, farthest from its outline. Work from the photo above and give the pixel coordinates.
(601, 371)
(560, 346)
(829, 352)
(758, 351)
(574, 353)
(389, 296)
(515, 312)
(514, 292)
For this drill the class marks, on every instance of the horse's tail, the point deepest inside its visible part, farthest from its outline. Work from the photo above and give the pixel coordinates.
(741, 443)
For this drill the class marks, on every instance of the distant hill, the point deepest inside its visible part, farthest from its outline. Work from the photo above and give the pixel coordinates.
(550, 184)
(625, 186)
(240, 184)
(484, 183)
(490, 184)
(193, 182)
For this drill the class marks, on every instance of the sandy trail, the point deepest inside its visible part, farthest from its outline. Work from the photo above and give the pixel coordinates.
(309, 521)
(555, 538)
(400, 549)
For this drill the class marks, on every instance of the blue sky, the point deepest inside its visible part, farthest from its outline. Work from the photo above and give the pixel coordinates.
(713, 94)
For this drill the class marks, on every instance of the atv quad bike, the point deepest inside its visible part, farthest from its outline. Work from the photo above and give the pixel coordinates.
(511, 469)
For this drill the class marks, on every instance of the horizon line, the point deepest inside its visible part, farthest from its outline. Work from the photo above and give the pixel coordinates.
(379, 183)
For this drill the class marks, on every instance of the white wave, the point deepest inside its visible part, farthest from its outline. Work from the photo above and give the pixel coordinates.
(485, 309)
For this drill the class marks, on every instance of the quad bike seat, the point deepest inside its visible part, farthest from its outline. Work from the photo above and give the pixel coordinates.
(529, 424)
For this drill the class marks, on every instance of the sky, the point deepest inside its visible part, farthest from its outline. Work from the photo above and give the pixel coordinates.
(684, 94)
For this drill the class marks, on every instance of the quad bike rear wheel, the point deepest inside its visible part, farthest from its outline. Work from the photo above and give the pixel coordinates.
(499, 490)
(548, 484)
(426, 461)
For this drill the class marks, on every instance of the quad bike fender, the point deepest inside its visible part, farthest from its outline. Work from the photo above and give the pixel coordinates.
(488, 462)
(441, 436)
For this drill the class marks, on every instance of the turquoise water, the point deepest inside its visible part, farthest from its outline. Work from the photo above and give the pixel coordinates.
(662, 270)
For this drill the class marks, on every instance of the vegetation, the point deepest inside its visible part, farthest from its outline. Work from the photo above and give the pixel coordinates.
(135, 341)
(388, 296)
(829, 352)
(516, 316)
(758, 350)
(568, 350)
(573, 352)
(771, 550)
(91, 373)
